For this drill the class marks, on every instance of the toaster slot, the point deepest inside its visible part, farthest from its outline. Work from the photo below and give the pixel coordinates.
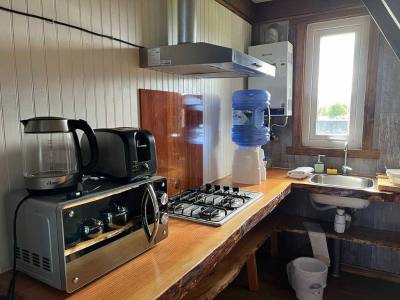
(143, 147)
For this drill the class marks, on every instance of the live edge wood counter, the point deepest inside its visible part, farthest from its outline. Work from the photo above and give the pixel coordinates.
(177, 264)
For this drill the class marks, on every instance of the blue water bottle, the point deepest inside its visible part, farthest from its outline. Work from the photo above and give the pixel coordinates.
(248, 107)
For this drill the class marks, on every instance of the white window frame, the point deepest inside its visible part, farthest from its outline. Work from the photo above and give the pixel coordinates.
(359, 25)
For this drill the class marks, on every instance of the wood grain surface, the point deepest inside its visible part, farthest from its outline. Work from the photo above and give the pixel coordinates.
(227, 270)
(177, 264)
(176, 122)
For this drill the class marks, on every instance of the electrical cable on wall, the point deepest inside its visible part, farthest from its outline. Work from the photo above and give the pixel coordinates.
(53, 21)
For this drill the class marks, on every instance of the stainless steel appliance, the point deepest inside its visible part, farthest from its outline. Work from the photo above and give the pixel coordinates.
(69, 243)
(51, 153)
(200, 59)
(125, 153)
(212, 205)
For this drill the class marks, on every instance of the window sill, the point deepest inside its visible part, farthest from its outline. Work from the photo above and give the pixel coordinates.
(359, 153)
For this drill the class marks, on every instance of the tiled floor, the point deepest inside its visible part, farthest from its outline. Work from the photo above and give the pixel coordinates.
(274, 285)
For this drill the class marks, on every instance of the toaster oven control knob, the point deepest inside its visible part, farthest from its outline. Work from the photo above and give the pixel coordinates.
(164, 218)
(75, 280)
(163, 198)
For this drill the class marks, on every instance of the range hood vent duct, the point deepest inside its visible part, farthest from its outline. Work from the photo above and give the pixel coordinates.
(186, 21)
(201, 60)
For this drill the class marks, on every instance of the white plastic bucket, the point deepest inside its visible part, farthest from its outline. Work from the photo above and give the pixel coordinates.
(307, 276)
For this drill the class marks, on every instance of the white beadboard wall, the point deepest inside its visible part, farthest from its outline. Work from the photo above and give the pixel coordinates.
(46, 69)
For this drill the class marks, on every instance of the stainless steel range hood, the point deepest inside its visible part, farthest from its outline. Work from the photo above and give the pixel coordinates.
(204, 60)
(200, 59)
(386, 14)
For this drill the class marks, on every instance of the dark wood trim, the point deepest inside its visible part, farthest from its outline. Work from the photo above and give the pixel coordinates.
(295, 9)
(370, 93)
(300, 29)
(303, 150)
(245, 9)
(299, 63)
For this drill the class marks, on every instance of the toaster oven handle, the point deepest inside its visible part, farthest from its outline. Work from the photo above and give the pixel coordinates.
(152, 195)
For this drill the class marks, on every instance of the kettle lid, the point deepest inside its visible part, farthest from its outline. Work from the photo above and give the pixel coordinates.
(45, 125)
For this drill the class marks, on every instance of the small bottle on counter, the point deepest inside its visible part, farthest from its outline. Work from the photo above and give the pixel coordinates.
(319, 166)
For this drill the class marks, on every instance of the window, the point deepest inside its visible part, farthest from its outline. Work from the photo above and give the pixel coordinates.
(336, 62)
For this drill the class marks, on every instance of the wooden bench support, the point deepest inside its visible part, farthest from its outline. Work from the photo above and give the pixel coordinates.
(252, 275)
(274, 244)
(227, 270)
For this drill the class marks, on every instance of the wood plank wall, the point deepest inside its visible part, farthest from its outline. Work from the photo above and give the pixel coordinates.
(46, 69)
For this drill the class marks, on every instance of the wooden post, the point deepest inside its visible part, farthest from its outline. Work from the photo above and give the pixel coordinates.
(252, 275)
(274, 244)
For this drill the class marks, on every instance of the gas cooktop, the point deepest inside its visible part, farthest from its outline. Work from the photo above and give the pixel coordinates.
(213, 205)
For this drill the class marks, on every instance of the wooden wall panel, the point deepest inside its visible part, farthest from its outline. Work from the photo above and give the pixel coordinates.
(177, 124)
(50, 69)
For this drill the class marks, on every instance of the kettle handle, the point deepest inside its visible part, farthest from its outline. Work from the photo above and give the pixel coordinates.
(94, 151)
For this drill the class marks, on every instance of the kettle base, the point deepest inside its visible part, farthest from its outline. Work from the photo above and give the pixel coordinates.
(64, 190)
(44, 185)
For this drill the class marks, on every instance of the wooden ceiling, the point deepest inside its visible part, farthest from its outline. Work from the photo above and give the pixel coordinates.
(273, 10)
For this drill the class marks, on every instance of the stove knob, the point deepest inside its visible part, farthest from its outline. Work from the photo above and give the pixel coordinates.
(163, 198)
(164, 218)
(235, 189)
(217, 187)
(226, 188)
(208, 187)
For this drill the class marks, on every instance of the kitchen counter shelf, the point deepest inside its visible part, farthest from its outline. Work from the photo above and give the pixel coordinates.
(192, 251)
(355, 234)
(102, 237)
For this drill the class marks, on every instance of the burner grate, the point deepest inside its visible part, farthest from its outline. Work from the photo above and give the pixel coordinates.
(210, 205)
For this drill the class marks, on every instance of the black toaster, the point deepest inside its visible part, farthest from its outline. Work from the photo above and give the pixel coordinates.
(125, 153)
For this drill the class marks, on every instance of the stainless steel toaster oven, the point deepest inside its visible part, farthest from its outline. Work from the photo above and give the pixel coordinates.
(69, 243)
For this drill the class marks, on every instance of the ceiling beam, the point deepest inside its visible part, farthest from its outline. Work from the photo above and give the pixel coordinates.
(273, 10)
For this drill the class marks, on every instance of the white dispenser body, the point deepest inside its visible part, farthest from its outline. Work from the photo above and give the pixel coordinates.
(246, 165)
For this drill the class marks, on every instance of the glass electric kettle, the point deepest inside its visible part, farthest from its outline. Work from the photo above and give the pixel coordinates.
(51, 153)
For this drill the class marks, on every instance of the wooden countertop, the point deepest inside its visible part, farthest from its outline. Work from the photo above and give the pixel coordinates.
(190, 252)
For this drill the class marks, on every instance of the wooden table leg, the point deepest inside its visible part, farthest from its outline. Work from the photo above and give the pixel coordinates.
(252, 275)
(274, 244)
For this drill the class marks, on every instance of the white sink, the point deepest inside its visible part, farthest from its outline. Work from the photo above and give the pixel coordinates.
(340, 181)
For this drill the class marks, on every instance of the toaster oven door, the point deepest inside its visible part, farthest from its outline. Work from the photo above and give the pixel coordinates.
(103, 234)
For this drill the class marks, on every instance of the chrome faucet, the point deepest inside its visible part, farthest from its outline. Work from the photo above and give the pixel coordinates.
(345, 168)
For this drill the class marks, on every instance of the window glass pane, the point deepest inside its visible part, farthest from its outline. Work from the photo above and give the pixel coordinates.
(335, 79)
